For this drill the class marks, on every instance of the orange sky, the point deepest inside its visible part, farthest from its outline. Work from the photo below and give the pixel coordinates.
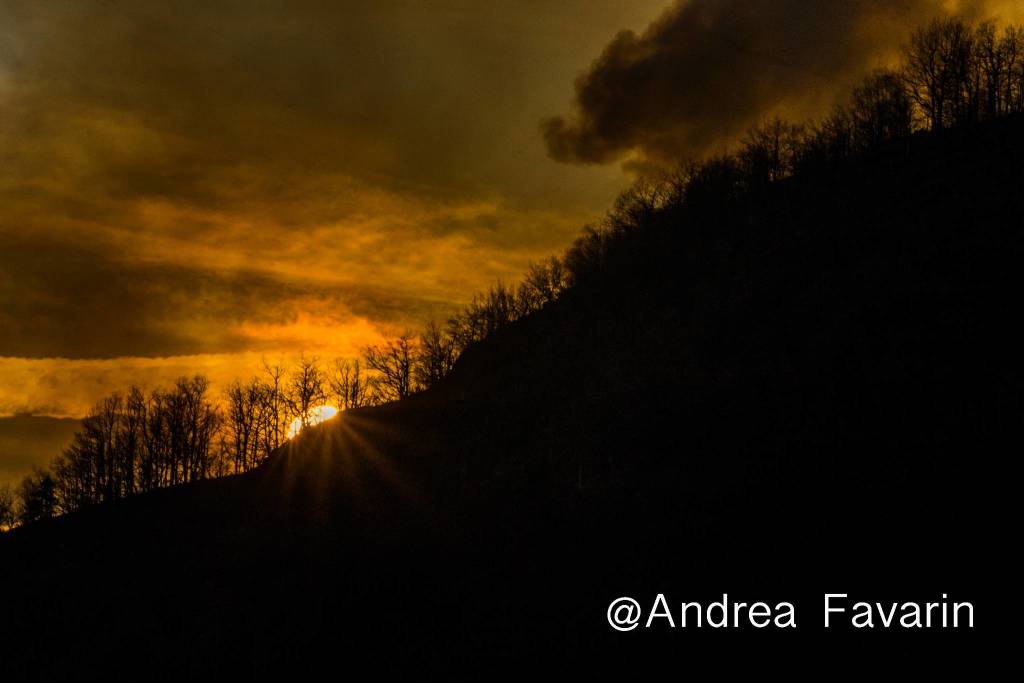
(192, 190)
(193, 187)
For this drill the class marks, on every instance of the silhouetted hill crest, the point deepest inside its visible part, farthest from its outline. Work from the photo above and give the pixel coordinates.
(810, 365)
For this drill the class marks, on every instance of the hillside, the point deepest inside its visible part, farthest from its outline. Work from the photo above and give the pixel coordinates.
(812, 382)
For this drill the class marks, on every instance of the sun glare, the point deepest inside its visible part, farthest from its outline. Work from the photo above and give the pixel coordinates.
(314, 417)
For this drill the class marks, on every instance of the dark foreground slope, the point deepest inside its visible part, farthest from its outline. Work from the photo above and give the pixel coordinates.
(813, 388)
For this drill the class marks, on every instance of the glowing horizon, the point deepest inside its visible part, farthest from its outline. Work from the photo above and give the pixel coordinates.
(314, 416)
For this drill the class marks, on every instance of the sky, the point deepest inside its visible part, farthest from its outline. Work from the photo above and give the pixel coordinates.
(192, 190)
(192, 187)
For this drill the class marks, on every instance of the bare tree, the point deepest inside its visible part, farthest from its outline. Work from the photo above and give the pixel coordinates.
(998, 59)
(634, 207)
(8, 508)
(769, 151)
(274, 410)
(938, 67)
(1012, 47)
(486, 314)
(76, 474)
(828, 142)
(306, 389)
(155, 443)
(206, 424)
(393, 362)
(37, 497)
(103, 424)
(925, 72)
(546, 281)
(880, 110)
(243, 411)
(349, 385)
(436, 356)
(192, 422)
(131, 438)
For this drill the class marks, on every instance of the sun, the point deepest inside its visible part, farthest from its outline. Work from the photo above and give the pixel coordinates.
(313, 417)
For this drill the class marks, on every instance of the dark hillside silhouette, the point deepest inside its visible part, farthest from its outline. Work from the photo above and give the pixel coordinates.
(953, 75)
(802, 387)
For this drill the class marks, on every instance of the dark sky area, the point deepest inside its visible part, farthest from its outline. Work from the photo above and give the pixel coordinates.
(189, 187)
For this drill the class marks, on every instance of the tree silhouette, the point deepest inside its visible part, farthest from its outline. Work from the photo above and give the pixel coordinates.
(953, 74)
(349, 384)
(770, 150)
(8, 508)
(880, 110)
(274, 406)
(306, 389)
(956, 75)
(545, 281)
(394, 365)
(138, 444)
(243, 414)
(37, 497)
(436, 356)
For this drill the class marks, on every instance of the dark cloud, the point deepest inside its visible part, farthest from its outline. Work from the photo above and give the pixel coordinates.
(27, 441)
(697, 77)
(77, 302)
(230, 176)
(227, 100)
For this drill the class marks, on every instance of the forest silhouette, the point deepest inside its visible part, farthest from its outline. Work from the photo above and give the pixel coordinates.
(756, 365)
(953, 75)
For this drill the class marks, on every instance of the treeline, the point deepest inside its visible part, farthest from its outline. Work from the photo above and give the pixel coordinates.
(952, 75)
(133, 442)
(128, 443)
